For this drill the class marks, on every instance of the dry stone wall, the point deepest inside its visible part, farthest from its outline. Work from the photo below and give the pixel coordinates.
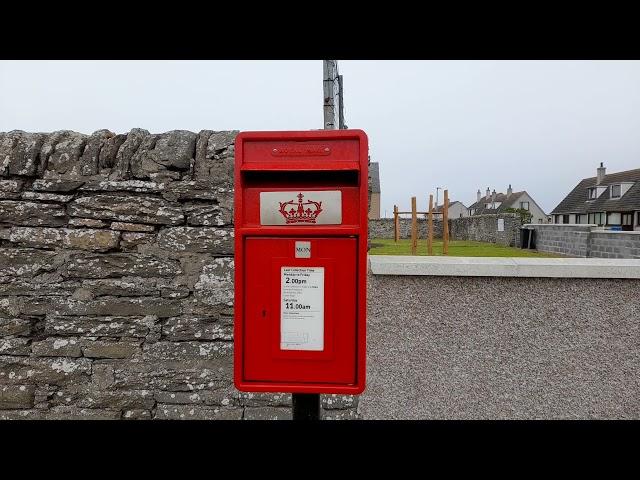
(480, 228)
(484, 228)
(116, 279)
(383, 228)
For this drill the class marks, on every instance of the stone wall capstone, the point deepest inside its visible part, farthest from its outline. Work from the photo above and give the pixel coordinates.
(116, 279)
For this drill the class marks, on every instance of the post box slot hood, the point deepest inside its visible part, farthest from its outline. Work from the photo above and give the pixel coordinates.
(300, 178)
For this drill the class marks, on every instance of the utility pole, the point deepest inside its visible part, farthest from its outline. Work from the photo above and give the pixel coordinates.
(332, 94)
(341, 124)
(430, 229)
(445, 224)
(437, 188)
(414, 227)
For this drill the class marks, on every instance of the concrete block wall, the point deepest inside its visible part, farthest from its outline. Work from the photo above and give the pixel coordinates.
(572, 241)
(586, 241)
(614, 244)
(116, 279)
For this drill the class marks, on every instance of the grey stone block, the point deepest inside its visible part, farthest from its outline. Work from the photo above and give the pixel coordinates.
(267, 413)
(16, 326)
(197, 412)
(127, 209)
(218, 241)
(16, 397)
(118, 265)
(32, 213)
(57, 347)
(15, 346)
(107, 349)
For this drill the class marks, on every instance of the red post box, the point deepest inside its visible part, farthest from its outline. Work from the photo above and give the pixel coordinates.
(300, 261)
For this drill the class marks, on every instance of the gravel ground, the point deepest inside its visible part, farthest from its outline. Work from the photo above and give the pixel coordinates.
(502, 348)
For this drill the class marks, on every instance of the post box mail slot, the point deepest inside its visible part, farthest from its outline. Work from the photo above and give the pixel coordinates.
(300, 261)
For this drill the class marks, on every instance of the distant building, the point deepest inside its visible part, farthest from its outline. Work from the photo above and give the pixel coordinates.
(606, 200)
(493, 203)
(456, 210)
(374, 174)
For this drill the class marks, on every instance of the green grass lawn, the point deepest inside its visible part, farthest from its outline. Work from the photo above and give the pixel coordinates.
(458, 248)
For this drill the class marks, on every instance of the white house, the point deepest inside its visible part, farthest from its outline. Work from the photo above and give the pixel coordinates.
(456, 210)
(492, 203)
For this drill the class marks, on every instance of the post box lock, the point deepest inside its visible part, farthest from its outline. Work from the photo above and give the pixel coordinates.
(300, 259)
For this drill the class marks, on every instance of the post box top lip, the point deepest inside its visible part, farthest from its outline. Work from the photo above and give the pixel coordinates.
(302, 164)
(285, 135)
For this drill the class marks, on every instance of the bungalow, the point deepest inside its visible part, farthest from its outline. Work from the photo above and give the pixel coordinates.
(611, 201)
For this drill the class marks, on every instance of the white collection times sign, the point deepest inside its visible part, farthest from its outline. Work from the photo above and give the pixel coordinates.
(302, 308)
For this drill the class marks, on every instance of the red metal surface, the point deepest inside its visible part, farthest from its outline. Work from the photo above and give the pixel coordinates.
(311, 161)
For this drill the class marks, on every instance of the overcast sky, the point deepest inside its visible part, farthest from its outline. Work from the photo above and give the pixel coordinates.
(464, 125)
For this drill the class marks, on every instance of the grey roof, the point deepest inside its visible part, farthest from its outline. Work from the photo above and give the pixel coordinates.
(439, 208)
(577, 200)
(374, 174)
(505, 200)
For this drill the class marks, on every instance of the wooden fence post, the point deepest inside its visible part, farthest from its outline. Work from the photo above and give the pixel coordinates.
(414, 227)
(445, 224)
(430, 232)
(396, 224)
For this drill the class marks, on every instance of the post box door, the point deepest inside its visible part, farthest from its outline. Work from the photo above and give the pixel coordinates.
(300, 309)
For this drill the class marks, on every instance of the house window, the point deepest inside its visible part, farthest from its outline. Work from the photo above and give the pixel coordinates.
(557, 219)
(565, 218)
(524, 205)
(613, 218)
(581, 218)
(627, 219)
(615, 191)
(597, 218)
(593, 193)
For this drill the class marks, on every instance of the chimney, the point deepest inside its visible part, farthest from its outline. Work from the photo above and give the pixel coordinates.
(488, 193)
(479, 195)
(493, 197)
(602, 171)
(509, 190)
